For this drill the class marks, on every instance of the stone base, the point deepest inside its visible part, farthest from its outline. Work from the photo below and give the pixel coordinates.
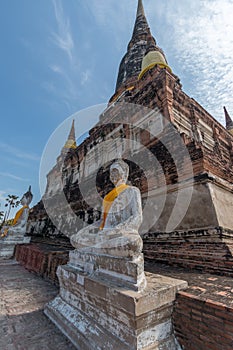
(122, 271)
(8, 243)
(96, 313)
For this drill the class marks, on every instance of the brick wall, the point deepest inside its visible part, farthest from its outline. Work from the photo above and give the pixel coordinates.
(202, 325)
(43, 262)
(205, 250)
(208, 143)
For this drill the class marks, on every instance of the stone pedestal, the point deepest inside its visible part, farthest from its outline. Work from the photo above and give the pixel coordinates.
(104, 303)
(8, 243)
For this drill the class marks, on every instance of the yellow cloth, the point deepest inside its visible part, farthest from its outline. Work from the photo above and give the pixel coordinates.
(109, 199)
(16, 219)
(18, 214)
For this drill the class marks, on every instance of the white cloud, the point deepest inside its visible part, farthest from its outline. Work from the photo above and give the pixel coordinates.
(12, 176)
(56, 69)
(63, 38)
(86, 75)
(15, 161)
(17, 152)
(78, 73)
(201, 39)
(197, 36)
(49, 86)
(64, 92)
(2, 195)
(117, 17)
(68, 75)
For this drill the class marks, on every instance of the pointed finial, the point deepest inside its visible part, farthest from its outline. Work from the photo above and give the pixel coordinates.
(141, 26)
(72, 132)
(140, 10)
(229, 122)
(71, 141)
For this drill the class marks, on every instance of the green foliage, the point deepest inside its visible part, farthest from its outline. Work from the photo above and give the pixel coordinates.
(11, 202)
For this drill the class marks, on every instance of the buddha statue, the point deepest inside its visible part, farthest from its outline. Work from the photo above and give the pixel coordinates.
(21, 217)
(116, 233)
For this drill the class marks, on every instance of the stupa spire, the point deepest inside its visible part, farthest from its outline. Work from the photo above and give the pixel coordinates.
(140, 10)
(130, 65)
(142, 54)
(229, 122)
(71, 141)
(141, 28)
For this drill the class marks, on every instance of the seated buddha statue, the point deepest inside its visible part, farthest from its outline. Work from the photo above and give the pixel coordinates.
(120, 221)
(21, 217)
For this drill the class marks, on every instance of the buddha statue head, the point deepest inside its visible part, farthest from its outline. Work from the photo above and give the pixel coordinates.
(27, 197)
(119, 172)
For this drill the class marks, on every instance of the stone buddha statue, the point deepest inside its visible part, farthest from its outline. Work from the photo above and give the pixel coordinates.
(120, 221)
(21, 217)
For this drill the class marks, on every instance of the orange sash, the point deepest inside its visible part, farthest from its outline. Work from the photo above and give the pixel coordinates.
(109, 199)
(16, 219)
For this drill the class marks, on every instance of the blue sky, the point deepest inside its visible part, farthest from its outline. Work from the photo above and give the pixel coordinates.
(61, 56)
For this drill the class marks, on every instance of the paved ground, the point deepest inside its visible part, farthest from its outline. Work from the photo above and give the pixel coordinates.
(23, 326)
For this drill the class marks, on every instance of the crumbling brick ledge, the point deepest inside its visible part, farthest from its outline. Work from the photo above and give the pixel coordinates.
(202, 324)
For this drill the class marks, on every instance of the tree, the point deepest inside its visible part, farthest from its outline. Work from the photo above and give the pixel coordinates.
(11, 202)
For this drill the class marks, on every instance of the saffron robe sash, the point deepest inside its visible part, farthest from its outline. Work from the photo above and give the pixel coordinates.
(109, 199)
(16, 219)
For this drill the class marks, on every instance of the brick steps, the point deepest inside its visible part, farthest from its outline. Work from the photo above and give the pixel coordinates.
(206, 250)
